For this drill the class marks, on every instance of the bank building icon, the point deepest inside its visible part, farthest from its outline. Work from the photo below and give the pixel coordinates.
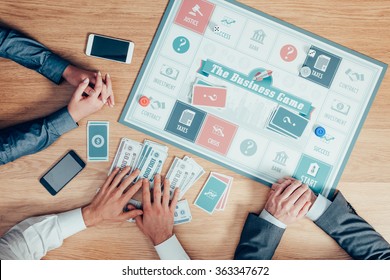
(281, 158)
(258, 36)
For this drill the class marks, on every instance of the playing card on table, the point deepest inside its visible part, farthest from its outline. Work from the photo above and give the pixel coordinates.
(126, 155)
(210, 194)
(228, 180)
(97, 140)
(182, 213)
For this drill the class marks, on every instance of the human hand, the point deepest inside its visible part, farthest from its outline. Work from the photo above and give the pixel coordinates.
(81, 106)
(74, 76)
(157, 219)
(112, 198)
(289, 200)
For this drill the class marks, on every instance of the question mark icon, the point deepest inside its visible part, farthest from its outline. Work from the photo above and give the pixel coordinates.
(288, 120)
(248, 147)
(213, 97)
(288, 53)
(181, 44)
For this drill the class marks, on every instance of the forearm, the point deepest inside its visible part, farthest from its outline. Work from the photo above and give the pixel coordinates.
(351, 232)
(32, 238)
(33, 136)
(31, 54)
(259, 239)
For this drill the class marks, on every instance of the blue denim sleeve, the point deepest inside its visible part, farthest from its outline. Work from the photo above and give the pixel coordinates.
(33, 136)
(31, 54)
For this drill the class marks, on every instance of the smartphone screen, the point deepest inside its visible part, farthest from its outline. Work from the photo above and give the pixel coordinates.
(62, 173)
(110, 48)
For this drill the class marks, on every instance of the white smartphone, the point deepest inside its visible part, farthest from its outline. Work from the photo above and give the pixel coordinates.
(110, 48)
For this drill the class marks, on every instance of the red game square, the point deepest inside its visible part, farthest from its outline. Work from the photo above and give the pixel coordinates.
(195, 15)
(217, 134)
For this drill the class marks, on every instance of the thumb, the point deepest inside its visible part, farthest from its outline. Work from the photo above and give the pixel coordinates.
(81, 88)
(140, 223)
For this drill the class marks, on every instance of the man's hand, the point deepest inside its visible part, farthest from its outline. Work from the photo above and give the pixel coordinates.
(157, 220)
(75, 76)
(81, 106)
(289, 200)
(112, 198)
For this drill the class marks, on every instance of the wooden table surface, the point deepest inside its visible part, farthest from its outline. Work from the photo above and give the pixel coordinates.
(63, 26)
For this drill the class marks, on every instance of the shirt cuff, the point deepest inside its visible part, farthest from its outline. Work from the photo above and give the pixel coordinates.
(171, 249)
(71, 222)
(62, 121)
(53, 68)
(269, 218)
(318, 208)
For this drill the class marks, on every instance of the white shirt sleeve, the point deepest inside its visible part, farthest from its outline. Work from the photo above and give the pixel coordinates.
(171, 249)
(269, 218)
(318, 208)
(32, 238)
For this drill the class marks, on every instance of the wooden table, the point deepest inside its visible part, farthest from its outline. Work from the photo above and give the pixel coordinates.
(63, 27)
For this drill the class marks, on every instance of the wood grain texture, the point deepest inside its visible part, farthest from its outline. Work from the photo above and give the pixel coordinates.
(63, 26)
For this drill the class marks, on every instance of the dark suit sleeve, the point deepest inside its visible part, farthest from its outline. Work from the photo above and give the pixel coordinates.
(259, 239)
(31, 54)
(33, 136)
(351, 232)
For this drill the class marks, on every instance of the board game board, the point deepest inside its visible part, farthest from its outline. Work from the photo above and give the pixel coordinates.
(253, 93)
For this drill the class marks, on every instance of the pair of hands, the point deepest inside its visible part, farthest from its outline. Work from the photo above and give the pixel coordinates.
(289, 200)
(81, 106)
(156, 218)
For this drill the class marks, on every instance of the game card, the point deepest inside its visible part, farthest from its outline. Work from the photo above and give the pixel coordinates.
(210, 194)
(97, 140)
(209, 96)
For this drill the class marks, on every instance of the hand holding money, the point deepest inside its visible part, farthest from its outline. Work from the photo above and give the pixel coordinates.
(157, 219)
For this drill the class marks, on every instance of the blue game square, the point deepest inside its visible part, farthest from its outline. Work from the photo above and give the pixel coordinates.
(320, 66)
(313, 172)
(185, 121)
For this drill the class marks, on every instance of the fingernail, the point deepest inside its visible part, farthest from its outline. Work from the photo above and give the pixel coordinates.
(91, 92)
(99, 73)
(104, 101)
(108, 75)
(85, 80)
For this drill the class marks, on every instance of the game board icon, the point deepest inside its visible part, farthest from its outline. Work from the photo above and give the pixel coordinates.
(313, 169)
(322, 63)
(187, 117)
(195, 9)
(218, 130)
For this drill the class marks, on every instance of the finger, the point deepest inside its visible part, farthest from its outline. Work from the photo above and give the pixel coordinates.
(279, 188)
(130, 215)
(78, 93)
(130, 207)
(146, 193)
(126, 182)
(88, 90)
(157, 189)
(166, 193)
(175, 199)
(298, 193)
(110, 178)
(98, 85)
(139, 222)
(301, 201)
(290, 189)
(104, 94)
(132, 191)
(110, 91)
(304, 210)
(119, 177)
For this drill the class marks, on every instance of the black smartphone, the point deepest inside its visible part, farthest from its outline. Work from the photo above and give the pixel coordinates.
(62, 172)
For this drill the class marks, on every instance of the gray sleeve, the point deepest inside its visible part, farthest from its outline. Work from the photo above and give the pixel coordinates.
(351, 232)
(259, 239)
(31, 54)
(33, 136)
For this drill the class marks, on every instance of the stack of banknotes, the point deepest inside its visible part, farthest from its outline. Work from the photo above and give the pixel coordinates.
(149, 157)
